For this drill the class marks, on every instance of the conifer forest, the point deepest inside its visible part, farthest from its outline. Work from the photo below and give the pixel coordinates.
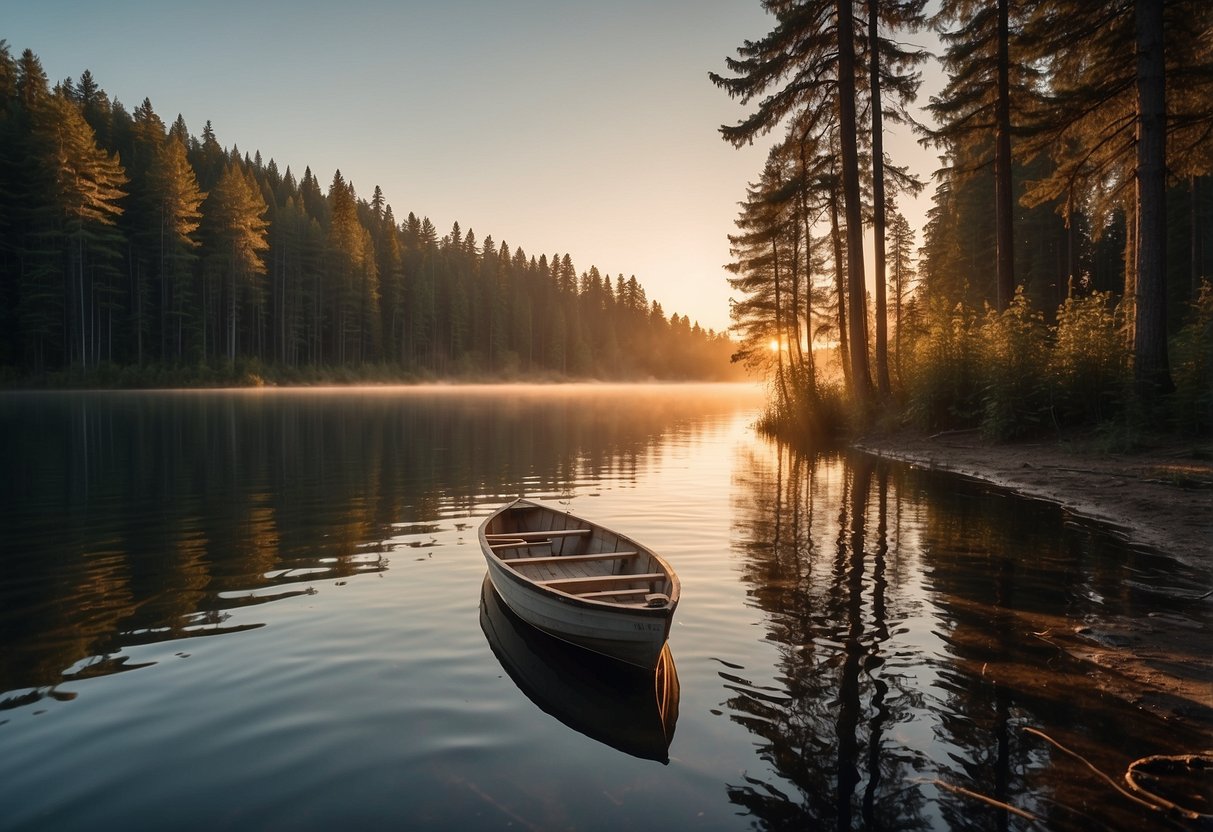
(1062, 276)
(133, 252)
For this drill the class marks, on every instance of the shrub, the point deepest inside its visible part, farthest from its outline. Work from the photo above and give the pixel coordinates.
(1192, 366)
(1013, 350)
(941, 369)
(1088, 367)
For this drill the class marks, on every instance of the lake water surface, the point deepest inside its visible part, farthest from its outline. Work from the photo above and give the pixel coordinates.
(264, 610)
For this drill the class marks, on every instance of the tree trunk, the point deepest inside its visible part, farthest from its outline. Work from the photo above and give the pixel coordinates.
(163, 292)
(811, 380)
(1072, 276)
(1193, 237)
(844, 353)
(898, 272)
(206, 301)
(878, 205)
(1151, 373)
(861, 380)
(780, 375)
(1003, 203)
(139, 309)
(231, 335)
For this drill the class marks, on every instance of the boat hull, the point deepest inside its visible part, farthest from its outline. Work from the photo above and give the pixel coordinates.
(632, 633)
(628, 708)
(627, 635)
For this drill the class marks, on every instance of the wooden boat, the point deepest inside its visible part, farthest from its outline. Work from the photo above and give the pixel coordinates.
(580, 582)
(631, 709)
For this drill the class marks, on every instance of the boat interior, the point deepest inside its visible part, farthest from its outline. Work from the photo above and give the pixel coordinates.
(564, 553)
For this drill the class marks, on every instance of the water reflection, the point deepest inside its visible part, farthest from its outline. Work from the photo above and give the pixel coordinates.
(136, 518)
(623, 706)
(908, 611)
(874, 637)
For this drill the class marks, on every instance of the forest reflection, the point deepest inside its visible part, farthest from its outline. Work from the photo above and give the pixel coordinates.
(907, 611)
(134, 518)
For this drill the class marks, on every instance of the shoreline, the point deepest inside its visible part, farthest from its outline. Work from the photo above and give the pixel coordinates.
(1159, 499)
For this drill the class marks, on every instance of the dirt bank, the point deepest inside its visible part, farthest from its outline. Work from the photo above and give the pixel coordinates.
(1161, 498)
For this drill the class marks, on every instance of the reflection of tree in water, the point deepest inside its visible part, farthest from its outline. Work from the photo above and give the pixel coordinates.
(906, 609)
(1004, 573)
(816, 536)
(138, 518)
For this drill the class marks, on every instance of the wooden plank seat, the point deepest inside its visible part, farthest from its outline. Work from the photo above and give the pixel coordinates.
(578, 585)
(519, 544)
(535, 535)
(613, 593)
(538, 560)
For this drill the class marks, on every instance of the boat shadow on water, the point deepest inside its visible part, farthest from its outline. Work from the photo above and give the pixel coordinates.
(629, 708)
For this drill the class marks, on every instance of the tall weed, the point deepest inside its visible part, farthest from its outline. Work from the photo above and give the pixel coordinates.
(1013, 351)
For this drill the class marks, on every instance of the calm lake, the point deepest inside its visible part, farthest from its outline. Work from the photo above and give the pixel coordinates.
(264, 610)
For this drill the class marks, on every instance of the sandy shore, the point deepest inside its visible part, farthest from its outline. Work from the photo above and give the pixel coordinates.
(1161, 499)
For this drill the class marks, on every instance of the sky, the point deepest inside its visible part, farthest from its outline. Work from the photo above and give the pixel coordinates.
(553, 125)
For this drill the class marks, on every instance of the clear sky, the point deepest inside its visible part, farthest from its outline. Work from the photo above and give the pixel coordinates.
(555, 125)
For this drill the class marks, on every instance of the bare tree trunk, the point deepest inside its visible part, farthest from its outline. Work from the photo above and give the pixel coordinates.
(810, 361)
(1072, 276)
(1151, 373)
(861, 380)
(163, 293)
(844, 353)
(139, 309)
(780, 375)
(1003, 202)
(878, 205)
(898, 273)
(83, 318)
(1194, 236)
(840, 286)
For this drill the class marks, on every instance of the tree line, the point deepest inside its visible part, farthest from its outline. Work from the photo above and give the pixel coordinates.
(1074, 195)
(126, 242)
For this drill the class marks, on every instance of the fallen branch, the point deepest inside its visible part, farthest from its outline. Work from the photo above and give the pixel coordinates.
(1148, 804)
(998, 804)
(1138, 768)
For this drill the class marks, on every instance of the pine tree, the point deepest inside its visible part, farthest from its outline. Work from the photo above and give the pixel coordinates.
(141, 224)
(12, 141)
(975, 109)
(347, 254)
(805, 70)
(889, 66)
(901, 276)
(1113, 127)
(177, 201)
(86, 185)
(763, 316)
(234, 214)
